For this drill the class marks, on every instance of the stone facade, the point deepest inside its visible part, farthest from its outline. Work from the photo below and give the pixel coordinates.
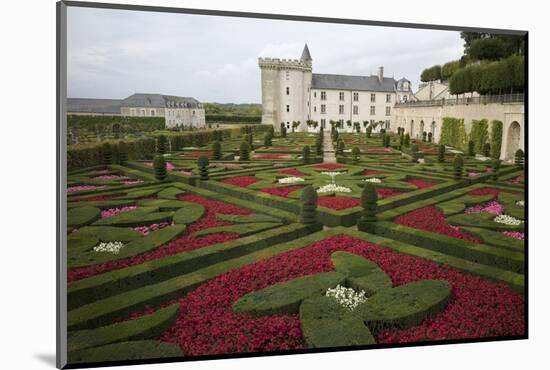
(292, 93)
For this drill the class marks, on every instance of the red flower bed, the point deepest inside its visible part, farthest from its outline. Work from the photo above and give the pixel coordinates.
(421, 184)
(432, 219)
(200, 154)
(484, 191)
(339, 202)
(368, 173)
(387, 193)
(282, 191)
(271, 156)
(206, 323)
(242, 181)
(292, 172)
(184, 243)
(379, 150)
(329, 166)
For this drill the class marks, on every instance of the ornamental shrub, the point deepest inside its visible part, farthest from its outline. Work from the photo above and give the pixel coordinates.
(407, 141)
(430, 137)
(244, 151)
(162, 144)
(283, 131)
(457, 166)
(159, 165)
(369, 132)
(107, 154)
(414, 153)
(441, 154)
(471, 148)
(122, 153)
(340, 147)
(424, 135)
(251, 140)
(203, 163)
(306, 154)
(495, 167)
(519, 158)
(335, 135)
(216, 150)
(496, 138)
(401, 140)
(309, 205)
(369, 202)
(319, 146)
(387, 140)
(453, 132)
(479, 134)
(486, 150)
(272, 131)
(355, 154)
(268, 139)
(383, 138)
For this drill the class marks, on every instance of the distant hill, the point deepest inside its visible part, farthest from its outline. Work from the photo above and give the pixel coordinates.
(231, 109)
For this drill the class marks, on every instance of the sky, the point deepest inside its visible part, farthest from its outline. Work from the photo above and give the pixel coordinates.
(115, 53)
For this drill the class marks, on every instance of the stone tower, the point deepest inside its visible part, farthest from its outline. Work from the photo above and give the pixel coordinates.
(286, 85)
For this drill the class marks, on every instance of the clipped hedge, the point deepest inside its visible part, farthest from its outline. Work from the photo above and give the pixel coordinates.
(453, 132)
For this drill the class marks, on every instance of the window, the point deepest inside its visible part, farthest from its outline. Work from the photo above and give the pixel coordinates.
(314, 109)
(193, 112)
(143, 112)
(323, 95)
(373, 98)
(288, 90)
(323, 123)
(323, 108)
(372, 110)
(315, 94)
(287, 75)
(341, 96)
(355, 109)
(288, 108)
(341, 109)
(355, 96)
(388, 111)
(387, 124)
(388, 98)
(152, 112)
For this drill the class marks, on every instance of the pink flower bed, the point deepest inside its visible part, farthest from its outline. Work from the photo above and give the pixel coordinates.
(271, 156)
(282, 191)
(384, 193)
(514, 234)
(133, 182)
(421, 184)
(492, 207)
(110, 177)
(184, 243)
(517, 180)
(379, 150)
(484, 191)
(200, 154)
(242, 181)
(473, 174)
(169, 165)
(147, 229)
(206, 323)
(77, 188)
(368, 173)
(329, 166)
(115, 211)
(432, 219)
(338, 202)
(292, 172)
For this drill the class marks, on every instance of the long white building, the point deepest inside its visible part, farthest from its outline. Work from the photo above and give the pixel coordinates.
(292, 93)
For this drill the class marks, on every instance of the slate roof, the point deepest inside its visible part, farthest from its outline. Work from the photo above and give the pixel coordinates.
(83, 105)
(357, 83)
(306, 56)
(159, 101)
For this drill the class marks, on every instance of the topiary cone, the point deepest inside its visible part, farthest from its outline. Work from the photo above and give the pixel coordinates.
(203, 163)
(159, 165)
(369, 202)
(308, 212)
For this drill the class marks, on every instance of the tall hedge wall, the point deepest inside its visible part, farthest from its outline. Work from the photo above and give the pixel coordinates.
(496, 138)
(105, 123)
(479, 134)
(453, 132)
(219, 118)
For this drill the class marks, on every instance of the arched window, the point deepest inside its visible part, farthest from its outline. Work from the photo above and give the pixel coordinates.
(288, 90)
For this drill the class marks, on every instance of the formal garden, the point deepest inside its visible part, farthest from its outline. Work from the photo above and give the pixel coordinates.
(243, 239)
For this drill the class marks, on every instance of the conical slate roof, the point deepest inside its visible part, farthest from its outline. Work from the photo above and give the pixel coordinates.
(306, 56)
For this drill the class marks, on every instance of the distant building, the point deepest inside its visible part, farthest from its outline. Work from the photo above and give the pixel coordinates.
(176, 110)
(291, 92)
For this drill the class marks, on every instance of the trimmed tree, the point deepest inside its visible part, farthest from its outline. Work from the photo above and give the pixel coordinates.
(369, 202)
(387, 140)
(283, 131)
(159, 166)
(519, 158)
(369, 132)
(319, 146)
(308, 211)
(162, 144)
(107, 153)
(340, 147)
(407, 141)
(486, 150)
(414, 153)
(216, 150)
(355, 154)
(424, 135)
(122, 153)
(244, 151)
(441, 153)
(430, 137)
(306, 154)
(495, 165)
(457, 166)
(268, 139)
(203, 163)
(471, 148)
(496, 139)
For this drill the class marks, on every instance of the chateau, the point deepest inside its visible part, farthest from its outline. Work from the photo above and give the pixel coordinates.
(292, 93)
(177, 110)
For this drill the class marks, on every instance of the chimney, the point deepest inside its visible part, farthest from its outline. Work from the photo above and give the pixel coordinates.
(381, 74)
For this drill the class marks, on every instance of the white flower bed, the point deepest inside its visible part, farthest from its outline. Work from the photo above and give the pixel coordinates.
(331, 173)
(454, 151)
(347, 297)
(507, 220)
(520, 203)
(110, 247)
(290, 180)
(333, 188)
(374, 180)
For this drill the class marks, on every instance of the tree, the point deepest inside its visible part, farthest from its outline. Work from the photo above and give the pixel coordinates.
(486, 150)
(216, 150)
(355, 154)
(162, 144)
(283, 131)
(268, 139)
(441, 154)
(369, 202)
(383, 138)
(387, 140)
(369, 132)
(340, 147)
(203, 163)
(487, 49)
(457, 166)
(495, 169)
(431, 74)
(401, 141)
(430, 137)
(519, 158)
(107, 153)
(309, 205)
(306, 152)
(424, 134)
(414, 153)
(244, 151)
(496, 139)
(122, 153)
(319, 146)
(471, 148)
(449, 68)
(407, 140)
(159, 166)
